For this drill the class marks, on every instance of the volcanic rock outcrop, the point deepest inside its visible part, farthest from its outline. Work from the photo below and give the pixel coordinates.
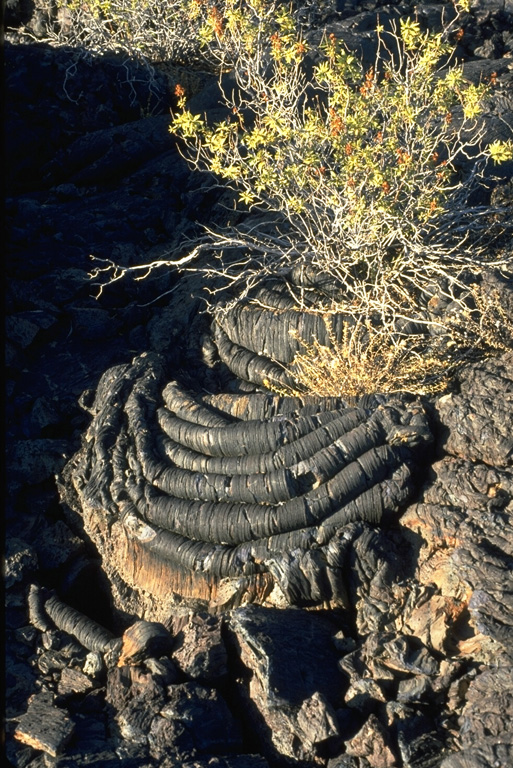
(232, 498)
(412, 665)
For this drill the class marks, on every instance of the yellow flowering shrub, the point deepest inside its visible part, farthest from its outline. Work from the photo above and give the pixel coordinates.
(363, 164)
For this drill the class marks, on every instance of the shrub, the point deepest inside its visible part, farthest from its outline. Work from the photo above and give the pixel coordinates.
(147, 29)
(362, 179)
(365, 167)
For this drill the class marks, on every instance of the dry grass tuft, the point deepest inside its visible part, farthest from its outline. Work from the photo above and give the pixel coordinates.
(368, 359)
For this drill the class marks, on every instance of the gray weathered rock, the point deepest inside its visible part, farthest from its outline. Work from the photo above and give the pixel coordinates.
(480, 425)
(294, 685)
(486, 733)
(199, 649)
(33, 461)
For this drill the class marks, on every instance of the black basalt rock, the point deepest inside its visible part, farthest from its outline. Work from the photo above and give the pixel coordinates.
(183, 485)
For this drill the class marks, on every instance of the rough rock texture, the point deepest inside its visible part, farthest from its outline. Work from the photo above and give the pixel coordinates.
(295, 716)
(463, 520)
(478, 424)
(411, 667)
(422, 644)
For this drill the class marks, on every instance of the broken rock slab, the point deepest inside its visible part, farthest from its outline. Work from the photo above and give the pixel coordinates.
(203, 717)
(295, 684)
(486, 733)
(44, 726)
